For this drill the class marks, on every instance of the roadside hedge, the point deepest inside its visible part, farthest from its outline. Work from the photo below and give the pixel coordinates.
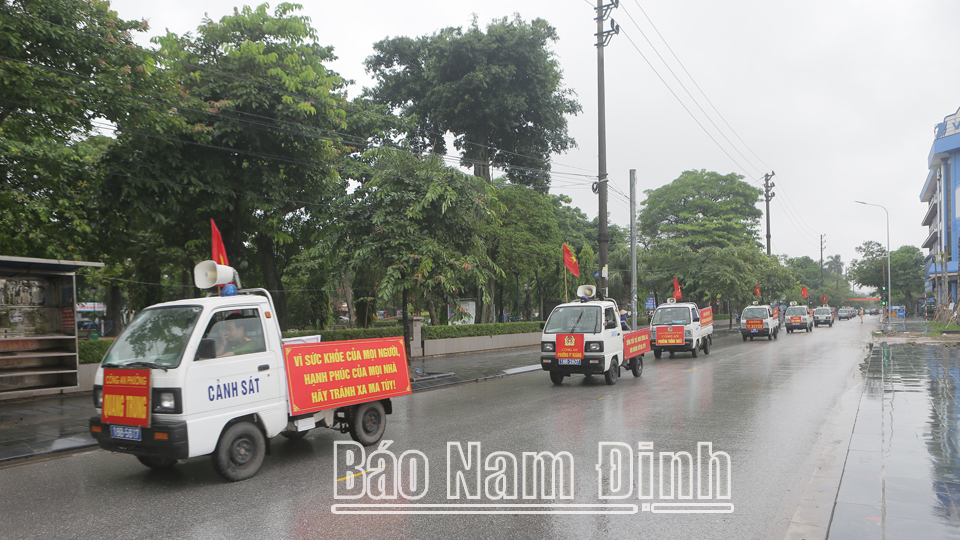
(473, 330)
(91, 351)
(352, 333)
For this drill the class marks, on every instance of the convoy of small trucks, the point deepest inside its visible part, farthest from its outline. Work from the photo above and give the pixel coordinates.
(213, 376)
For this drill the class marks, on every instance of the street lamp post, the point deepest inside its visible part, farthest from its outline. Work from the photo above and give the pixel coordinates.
(889, 280)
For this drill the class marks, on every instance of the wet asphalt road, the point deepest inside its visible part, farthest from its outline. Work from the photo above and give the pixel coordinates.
(772, 406)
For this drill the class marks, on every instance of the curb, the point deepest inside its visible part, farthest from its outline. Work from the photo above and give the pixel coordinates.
(56, 446)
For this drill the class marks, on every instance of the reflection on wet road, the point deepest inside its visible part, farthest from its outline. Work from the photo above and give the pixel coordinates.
(902, 477)
(771, 406)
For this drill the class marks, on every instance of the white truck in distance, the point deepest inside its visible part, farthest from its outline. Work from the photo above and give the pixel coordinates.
(215, 377)
(680, 327)
(584, 337)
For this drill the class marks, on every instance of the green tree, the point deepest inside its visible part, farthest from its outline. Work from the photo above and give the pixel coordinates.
(906, 274)
(414, 226)
(498, 92)
(259, 156)
(66, 67)
(701, 209)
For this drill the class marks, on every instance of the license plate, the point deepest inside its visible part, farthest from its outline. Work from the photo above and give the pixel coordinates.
(569, 361)
(753, 330)
(126, 433)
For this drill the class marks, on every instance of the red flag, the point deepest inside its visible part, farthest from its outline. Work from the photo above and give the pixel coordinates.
(219, 253)
(803, 292)
(756, 291)
(570, 261)
(676, 289)
(823, 299)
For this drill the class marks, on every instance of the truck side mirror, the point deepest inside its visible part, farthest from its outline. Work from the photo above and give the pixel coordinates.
(612, 324)
(543, 325)
(207, 349)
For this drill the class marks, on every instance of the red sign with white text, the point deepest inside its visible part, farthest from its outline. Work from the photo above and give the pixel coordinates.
(569, 346)
(669, 335)
(706, 316)
(754, 324)
(126, 397)
(796, 319)
(636, 343)
(338, 373)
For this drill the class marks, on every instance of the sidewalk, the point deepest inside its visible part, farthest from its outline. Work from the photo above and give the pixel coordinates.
(901, 478)
(59, 423)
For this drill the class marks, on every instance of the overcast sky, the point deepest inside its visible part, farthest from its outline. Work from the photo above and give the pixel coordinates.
(838, 97)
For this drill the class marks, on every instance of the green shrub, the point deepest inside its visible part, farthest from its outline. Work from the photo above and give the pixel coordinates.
(352, 333)
(91, 351)
(472, 330)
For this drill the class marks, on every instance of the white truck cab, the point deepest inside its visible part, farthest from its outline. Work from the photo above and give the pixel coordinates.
(215, 384)
(679, 327)
(759, 321)
(585, 337)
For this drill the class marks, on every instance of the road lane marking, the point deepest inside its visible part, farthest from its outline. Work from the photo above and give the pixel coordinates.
(694, 369)
(604, 397)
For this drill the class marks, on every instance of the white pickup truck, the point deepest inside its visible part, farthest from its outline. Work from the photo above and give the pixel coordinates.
(585, 337)
(213, 376)
(681, 326)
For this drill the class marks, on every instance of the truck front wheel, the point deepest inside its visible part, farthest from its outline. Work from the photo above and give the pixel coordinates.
(556, 377)
(240, 452)
(612, 374)
(706, 346)
(369, 423)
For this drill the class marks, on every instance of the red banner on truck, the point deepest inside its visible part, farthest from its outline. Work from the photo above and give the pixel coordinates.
(706, 316)
(569, 346)
(754, 324)
(126, 397)
(327, 375)
(636, 343)
(670, 335)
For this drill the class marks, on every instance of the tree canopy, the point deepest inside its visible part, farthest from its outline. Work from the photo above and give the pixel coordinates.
(498, 92)
(701, 209)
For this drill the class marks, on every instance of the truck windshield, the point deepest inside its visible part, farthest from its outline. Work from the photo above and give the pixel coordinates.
(822, 311)
(155, 336)
(754, 313)
(671, 315)
(795, 311)
(574, 320)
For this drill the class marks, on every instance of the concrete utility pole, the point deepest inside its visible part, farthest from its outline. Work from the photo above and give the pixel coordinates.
(600, 187)
(633, 248)
(822, 245)
(767, 195)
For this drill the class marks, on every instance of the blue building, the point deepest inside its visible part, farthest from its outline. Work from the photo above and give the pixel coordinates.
(943, 217)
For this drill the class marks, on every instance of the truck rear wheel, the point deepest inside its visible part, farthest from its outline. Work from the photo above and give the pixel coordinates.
(636, 365)
(369, 423)
(657, 353)
(157, 463)
(556, 377)
(240, 452)
(612, 374)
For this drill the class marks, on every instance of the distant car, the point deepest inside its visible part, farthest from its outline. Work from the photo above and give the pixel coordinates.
(823, 315)
(874, 311)
(846, 314)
